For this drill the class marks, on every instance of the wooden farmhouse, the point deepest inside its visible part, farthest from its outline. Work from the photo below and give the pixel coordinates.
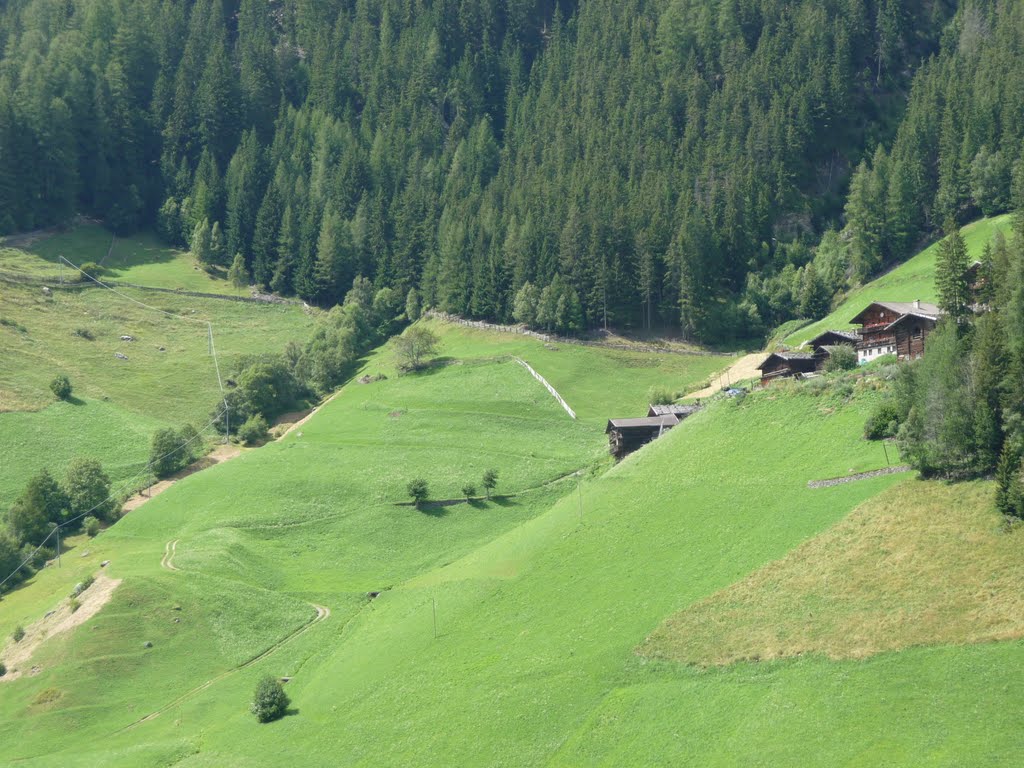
(895, 328)
(821, 345)
(627, 435)
(782, 365)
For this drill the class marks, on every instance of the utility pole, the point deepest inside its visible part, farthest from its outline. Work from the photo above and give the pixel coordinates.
(579, 493)
(887, 462)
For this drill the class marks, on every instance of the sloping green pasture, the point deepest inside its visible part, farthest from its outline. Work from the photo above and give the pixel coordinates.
(538, 610)
(117, 403)
(318, 517)
(598, 383)
(914, 279)
(140, 259)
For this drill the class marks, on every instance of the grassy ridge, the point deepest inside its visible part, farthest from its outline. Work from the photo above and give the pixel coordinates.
(914, 279)
(57, 434)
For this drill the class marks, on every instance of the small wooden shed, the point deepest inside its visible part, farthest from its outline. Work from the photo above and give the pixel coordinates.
(822, 344)
(627, 435)
(781, 365)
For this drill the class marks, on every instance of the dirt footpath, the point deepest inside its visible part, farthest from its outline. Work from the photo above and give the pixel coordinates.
(744, 368)
(220, 453)
(18, 656)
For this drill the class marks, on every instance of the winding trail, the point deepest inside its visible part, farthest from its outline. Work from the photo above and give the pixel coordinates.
(322, 613)
(169, 549)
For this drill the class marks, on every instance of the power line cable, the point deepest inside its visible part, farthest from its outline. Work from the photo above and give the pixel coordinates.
(110, 497)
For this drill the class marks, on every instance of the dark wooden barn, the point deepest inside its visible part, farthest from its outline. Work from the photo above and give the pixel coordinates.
(627, 435)
(910, 332)
(821, 345)
(781, 365)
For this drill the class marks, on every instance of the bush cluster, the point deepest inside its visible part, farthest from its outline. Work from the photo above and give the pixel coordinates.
(271, 384)
(44, 504)
(174, 449)
(884, 421)
(254, 430)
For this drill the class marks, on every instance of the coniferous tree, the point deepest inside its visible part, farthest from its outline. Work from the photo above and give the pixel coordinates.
(951, 275)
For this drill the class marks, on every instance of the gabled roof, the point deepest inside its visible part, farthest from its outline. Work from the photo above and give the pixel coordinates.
(649, 422)
(672, 409)
(822, 338)
(789, 357)
(920, 316)
(902, 308)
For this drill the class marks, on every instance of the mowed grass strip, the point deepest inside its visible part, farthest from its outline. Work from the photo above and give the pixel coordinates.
(924, 563)
(914, 279)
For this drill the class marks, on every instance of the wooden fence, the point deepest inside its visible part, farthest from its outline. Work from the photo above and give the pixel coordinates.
(522, 330)
(552, 390)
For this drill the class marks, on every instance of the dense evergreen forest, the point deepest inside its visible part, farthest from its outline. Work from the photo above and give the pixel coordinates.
(715, 166)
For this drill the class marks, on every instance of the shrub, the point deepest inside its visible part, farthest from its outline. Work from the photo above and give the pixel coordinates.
(270, 701)
(81, 586)
(414, 346)
(91, 526)
(3, 669)
(660, 396)
(419, 490)
(19, 633)
(842, 357)
(469, 490)
(85, 333)
(92, 269)
(87, 488)
(254, 430)
(75, 604)
(883, 422)
(61, 387)
(489, 481)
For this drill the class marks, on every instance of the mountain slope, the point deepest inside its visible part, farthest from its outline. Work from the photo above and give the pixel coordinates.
(914, 279)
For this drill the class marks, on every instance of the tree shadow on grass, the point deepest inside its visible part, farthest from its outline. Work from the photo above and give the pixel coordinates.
(432, 367)
(505, 501)
(72, 400)
(434, 509)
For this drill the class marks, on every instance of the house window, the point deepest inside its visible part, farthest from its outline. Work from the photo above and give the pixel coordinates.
(916, 334)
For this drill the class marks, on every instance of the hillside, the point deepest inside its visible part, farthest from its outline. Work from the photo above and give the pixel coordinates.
(914, 279)
(140, 258)
(541, 596)
(166, 378)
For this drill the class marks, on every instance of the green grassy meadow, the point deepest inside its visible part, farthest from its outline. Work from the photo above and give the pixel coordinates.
(140, 259)
(539, 609)
(117, 404)
(914, 279)
(503, 631)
